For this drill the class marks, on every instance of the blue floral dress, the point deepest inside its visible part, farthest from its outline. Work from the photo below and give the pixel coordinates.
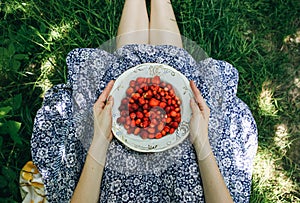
(64, 122)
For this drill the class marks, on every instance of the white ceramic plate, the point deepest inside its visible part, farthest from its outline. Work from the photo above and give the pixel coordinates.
(182, 89)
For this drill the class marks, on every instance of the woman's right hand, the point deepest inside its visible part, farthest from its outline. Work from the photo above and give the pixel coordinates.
(199, 124)
(102, 125)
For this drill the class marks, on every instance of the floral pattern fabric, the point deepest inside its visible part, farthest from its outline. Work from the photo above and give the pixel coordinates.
(63, 128)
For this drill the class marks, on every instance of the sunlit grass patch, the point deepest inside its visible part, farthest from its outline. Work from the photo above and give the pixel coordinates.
(58, 32)
(281, 138)
(271, 181)
(11, 7)
(266, 101)
(47, 70)
(293, 38)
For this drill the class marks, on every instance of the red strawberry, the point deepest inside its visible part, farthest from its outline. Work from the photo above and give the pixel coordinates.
(156, 80)
(162, 104)
(153, 102)
(129, 91)
(140, 80)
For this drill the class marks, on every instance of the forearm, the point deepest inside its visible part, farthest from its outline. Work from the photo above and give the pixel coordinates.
(88, 187)
(215, 190)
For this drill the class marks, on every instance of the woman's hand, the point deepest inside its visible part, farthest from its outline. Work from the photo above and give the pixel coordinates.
(102, 113)
(199, 124)
(102, 125)
(214, 186)
(88, 187)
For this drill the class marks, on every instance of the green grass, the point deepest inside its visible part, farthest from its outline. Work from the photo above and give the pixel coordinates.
(259, 37)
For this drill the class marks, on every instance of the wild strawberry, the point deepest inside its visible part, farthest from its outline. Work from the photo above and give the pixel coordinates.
(174, 125)
(154, 102)
(162, 104)
(162, 84)
(138, 122)
(154, 122)
(177, 119)
(140, 91)
(124, 113)
(140, 80)
(148, 114)
(148, 94)
(168, 109)
(146, 107)
(158, 136)
(132, 124)
(137, 131)
(122, 107)
(124, 101)
(151, 136)
(172, 130)
(168, 120)
(132, 115)
(142, 101)
(129, 91)
(135, 96)
(130, 130)
(173, 114)
(151, 130)
(121, 120)
(171, 93)
(160, 127)
(139, 114)
(166, 129)
(144, 134)
(131, 101)
(145, 87)
(156, 80)
(132, 83)
(145, 124)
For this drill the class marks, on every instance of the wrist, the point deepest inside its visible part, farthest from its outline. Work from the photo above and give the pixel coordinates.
(203, 149)
(98, 148)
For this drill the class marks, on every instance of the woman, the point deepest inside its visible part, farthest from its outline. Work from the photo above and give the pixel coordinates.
(218, 157)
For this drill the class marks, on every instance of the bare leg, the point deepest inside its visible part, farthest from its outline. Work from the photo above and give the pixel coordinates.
(134, 24)
(163, 25)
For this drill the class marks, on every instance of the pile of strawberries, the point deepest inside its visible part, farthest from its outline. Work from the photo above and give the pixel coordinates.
(150, 109)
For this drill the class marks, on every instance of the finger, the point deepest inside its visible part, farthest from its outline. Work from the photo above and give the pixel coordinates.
(108, 106)
(110, 103)
(199, 99)
(194, 106)
(106, 91)
(102, 98)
